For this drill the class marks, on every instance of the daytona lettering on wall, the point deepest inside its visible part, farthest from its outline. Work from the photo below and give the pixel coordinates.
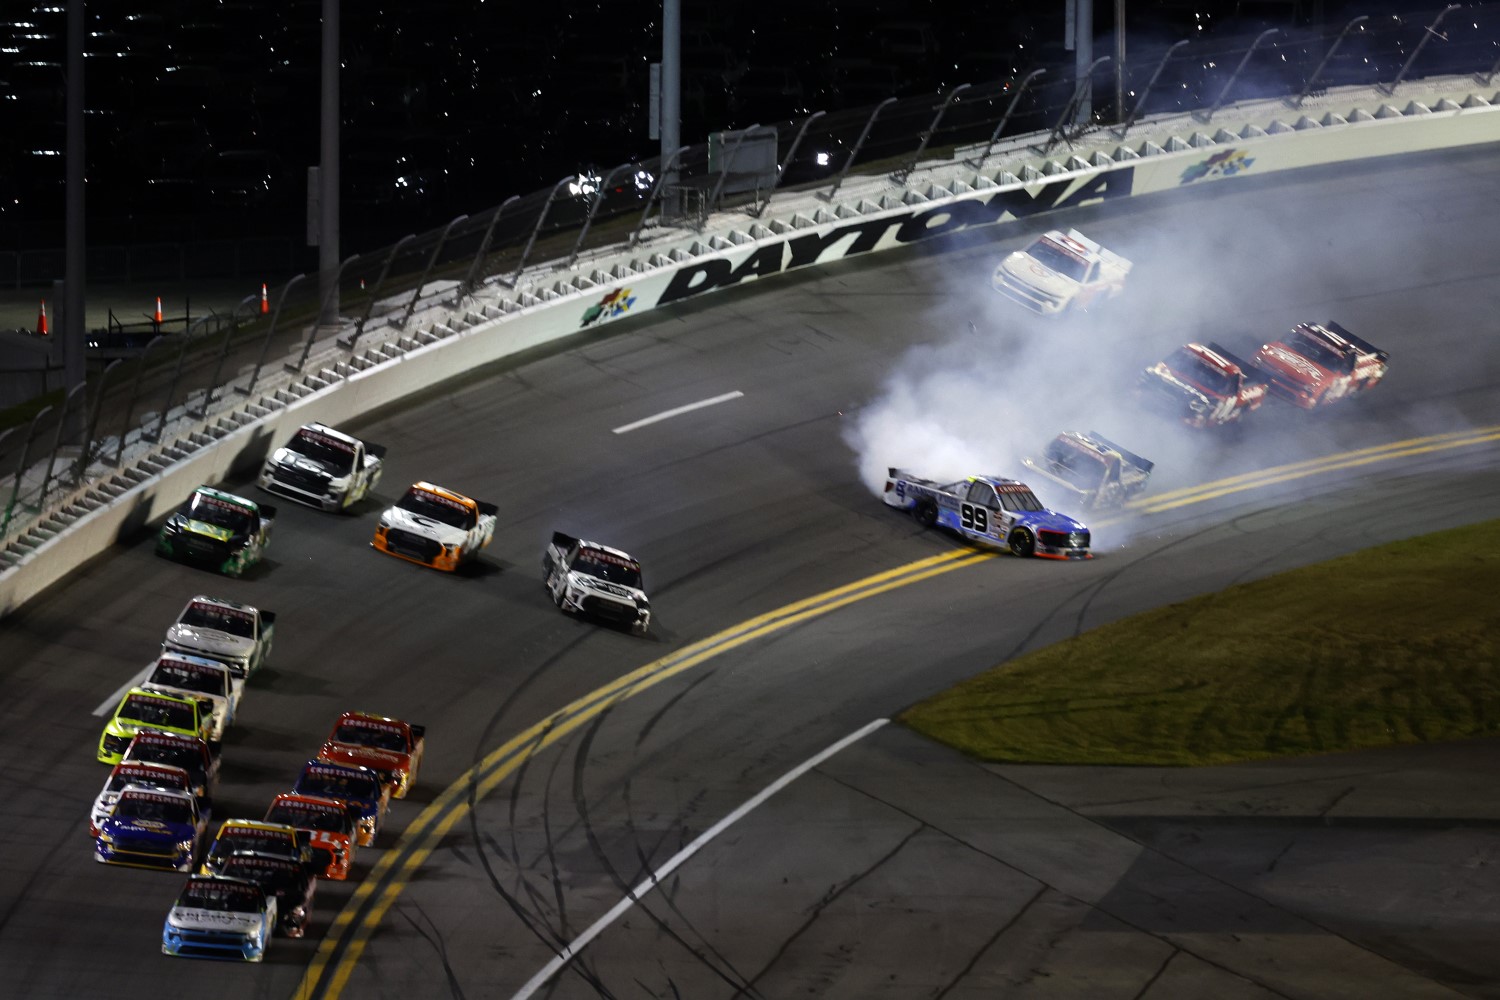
(892, 230)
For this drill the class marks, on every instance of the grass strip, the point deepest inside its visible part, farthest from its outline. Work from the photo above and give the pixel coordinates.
(1391, 645)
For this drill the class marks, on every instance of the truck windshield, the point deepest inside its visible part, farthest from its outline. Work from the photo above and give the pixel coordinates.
(1319, 353)
(153, 809)
(168, 712)
(309, 817)
(438, 508)
(187, 677)
(229, 896)
(1055, 258)
(608, 567)
(369, 736)
(1202, 374)
(1074, 465)
(336, 457)
(212, 510)
(231, 620)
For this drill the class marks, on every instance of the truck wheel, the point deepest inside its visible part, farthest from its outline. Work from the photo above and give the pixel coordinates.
(1022, 543)
(925, 512)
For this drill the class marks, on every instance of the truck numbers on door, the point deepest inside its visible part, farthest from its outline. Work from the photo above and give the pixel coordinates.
(974, 518)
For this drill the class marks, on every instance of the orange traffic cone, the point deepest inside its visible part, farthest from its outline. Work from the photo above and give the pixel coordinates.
(156, 316)
(265, 301)
(41, 320)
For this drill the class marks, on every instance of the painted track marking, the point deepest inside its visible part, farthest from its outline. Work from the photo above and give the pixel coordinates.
(650, 882)
(678, 411)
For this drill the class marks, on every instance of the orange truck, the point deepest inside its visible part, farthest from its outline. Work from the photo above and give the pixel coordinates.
(329, 823)
(389, 747)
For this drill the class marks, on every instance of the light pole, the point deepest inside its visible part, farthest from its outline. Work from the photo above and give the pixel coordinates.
(328, 170)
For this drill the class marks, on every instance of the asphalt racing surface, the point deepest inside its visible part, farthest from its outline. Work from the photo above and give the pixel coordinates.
(567, 763)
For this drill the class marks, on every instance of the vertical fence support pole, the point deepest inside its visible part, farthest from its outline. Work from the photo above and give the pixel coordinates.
(858, 145)
(135, 395)
(604, 186)
(1206, 118)
(1005, 118)
(471, 280)
(1071, 107)
(541, 218)
(661, 180)
(265, 347)
(312, 332)
(385, 271)
(1312, 81)
(15, 491)
(790, 153)
(93, 424)
(229, 328)
(901, 176)
(57, 437)
(161, 422)
(1426, 36)
(1141, 101)
(713, 199)
(411, 307)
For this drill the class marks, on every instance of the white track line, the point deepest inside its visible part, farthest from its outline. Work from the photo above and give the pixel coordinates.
(581, 941)
(108, 704)
(715, 401)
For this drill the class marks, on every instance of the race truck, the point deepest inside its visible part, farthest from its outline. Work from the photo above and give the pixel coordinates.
(990, 510)
(358, 786)
(151, 828)
(237, 836)
(1203, 385)
(323, 468)
(215, 628)
(1058, 272)
(329, 825)
(389, 747)
(1097, 473)
(218, 531)
(1318, 363)
(140, 774)
(595, 580)
(291, 884)
(435, 527)
(187, 752)
(141, 709)
(220, 918)
(208, 682)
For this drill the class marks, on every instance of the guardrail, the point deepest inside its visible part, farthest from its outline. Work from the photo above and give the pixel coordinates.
(110, 484)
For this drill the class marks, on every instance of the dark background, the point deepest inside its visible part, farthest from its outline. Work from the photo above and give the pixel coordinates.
(202, 117)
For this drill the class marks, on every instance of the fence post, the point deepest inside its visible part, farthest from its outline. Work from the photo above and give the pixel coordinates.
(666, 172)
(135, 395)
(901, 176)
(57, 437)
(781, 170)
(265, 346)
(1312, 81)
(229, 327)
(713, 199)
(551, 196)
(416, 294)
(1141, 101)
(15, 491)
(1005, 118)
(93, 424)
(1426, 35)
(1071, 107)
(859, 144)
(385, 270)
(471, 279)
(1208, 116)
(312, 332)
(594, 207)
(161, 423)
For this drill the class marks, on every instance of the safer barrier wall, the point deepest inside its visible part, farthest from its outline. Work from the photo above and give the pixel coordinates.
(858, 226)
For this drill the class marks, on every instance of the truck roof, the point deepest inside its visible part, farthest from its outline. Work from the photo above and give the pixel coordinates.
(446, 494)
(222, 602)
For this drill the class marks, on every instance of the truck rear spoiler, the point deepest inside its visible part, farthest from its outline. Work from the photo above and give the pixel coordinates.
(1252, 373)
(378, 450)
(417, 732)
(1129, 456)
(563, 541)
(1362, 344)
(487, 508)
(268, 618)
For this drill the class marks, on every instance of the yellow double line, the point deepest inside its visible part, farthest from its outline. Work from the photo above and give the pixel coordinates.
(341, 948)
(329, 971)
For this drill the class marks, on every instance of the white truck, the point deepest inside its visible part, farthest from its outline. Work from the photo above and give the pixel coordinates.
(323, 468)
(1060, 271)
(587, 578)
(216, 628)
(208, 682)
(1093, 471)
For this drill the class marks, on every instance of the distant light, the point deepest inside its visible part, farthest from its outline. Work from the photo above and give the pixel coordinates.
(823, 159)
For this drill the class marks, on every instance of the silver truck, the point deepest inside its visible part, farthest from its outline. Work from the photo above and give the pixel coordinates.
(323, 468)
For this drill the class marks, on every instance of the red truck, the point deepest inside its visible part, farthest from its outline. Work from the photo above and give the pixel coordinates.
(1203, 385)
(1319, 363)
(389, 747)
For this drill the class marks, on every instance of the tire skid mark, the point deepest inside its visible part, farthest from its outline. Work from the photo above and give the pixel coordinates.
(834, 892)
(434, 937)
(580, 802)
(1123, 920)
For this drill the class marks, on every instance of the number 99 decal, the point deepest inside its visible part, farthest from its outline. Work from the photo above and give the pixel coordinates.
(974, 518)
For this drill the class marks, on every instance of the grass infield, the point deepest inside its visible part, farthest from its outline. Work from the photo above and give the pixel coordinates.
(1397, 644)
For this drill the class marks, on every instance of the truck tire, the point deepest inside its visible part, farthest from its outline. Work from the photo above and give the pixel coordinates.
(1022, 543)
(925, 512)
